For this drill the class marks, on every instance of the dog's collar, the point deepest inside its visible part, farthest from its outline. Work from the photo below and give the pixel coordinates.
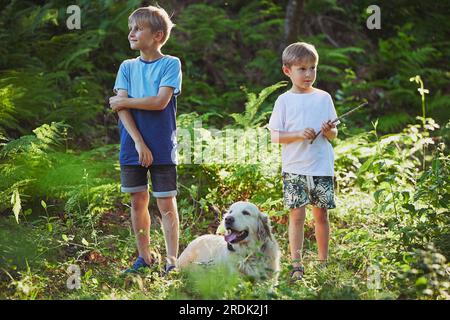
(230, 247)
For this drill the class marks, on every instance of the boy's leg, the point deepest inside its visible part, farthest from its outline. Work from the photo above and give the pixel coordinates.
(134, 181)
(322, 229)
(164, 181)
(323, 199)
(170, 225)
(296, 198)
(296, 234)
(140, 219)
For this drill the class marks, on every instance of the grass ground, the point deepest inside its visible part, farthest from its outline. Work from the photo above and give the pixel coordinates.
(35, 260)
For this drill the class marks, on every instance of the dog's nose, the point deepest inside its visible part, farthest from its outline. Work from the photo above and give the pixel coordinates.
(229, 221)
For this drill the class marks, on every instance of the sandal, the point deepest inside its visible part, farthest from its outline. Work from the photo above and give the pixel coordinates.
(299, 276)
(168, 268)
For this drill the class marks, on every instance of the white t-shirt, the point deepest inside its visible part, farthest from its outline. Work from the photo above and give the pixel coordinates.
(298, 111)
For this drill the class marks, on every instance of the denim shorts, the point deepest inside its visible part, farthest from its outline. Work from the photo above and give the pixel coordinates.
(163, 177)
(300, 190)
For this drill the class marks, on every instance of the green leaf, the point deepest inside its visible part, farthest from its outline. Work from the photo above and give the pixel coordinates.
(377, 195)
(15, 201)
(49, 227)
(88, 274)
(366, 165)
(43, 204)
(65, 238)
(422, 281)
(409, 207)
(84, 241)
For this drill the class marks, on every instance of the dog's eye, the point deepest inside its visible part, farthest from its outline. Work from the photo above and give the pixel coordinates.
(246, 213)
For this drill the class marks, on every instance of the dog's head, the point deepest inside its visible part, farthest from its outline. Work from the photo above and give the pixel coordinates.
(245, 224)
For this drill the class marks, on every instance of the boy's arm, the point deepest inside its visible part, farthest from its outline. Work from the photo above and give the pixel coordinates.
(145, 155)
(158, 102)
(288, 137)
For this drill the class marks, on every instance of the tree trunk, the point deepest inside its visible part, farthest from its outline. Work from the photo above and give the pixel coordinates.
(294, 16)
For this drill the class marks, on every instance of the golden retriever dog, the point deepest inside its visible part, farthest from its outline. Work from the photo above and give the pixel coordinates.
(246, 244)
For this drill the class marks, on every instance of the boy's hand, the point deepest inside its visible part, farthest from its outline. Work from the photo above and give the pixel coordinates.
(145, 155)
(307, 134)
(327, 126)
(117, 103)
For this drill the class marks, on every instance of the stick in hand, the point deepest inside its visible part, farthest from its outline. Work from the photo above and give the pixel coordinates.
(339, 118)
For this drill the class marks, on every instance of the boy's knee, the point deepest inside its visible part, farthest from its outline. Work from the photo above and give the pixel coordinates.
(298, 221)
(139, 200)
(297, 217)
(167, 206)
(322, 218)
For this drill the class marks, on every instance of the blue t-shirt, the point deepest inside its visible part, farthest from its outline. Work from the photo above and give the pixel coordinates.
(158, 127)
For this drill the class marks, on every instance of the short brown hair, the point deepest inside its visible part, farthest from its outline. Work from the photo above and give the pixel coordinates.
(299, 51)
(156, 18)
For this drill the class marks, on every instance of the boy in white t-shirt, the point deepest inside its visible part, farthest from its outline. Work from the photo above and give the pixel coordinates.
(308, 168)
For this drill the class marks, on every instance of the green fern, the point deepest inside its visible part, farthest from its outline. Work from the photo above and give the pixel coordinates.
(7, 108)
(250, 117)
(45, 138)
(390, 122)
(10, 197)
(16, 204)
(22, 162)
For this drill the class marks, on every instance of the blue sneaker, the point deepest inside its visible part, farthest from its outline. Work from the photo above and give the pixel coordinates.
(138, 265)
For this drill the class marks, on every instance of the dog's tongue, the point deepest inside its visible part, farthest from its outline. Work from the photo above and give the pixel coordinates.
(231, 237)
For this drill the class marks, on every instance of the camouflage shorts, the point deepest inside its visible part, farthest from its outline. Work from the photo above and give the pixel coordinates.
(299, 190)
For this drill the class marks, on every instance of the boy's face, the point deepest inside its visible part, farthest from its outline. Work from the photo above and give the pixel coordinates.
(302, 74)
(142, 38)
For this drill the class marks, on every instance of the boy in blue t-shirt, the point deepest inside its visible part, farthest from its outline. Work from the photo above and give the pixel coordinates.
(146, 89)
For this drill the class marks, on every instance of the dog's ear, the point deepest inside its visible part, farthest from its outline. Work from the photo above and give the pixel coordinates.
(263, 227)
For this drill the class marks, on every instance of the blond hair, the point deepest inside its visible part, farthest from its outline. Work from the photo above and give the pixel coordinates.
(156, 18)
(298, 52)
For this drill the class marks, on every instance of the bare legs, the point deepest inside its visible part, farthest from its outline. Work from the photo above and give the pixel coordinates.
(170, 225)
(141, 222)
(296, 233)
(322, 229)
(140, 219)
